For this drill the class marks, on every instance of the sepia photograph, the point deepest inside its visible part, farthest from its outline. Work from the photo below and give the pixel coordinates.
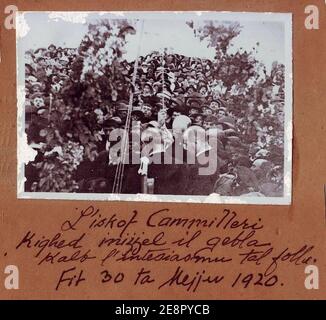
(155, 106)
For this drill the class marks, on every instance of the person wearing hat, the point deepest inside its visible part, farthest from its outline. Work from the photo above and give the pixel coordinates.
(225, 184)
(169, 113)
(197, 119)
(147, 90)
(59, 55)
(182, 82)
(147, 110)
(29, 56)
(209, 98)
(151, 73)
(64, 61)
(190, 91)
(40, 69)
(165, 94)
(206, 110)
(227, 122)
(229, 127)
(121, 110)
(37, 87)
(52, 47)
(192, 81)
(101, 168)
(171, 67)
(172, 113)
(199, 154)
(157, 105)
(169, 174)
(39, 52)
(203, 90)
(221, 113)
(29, 70)
(40, 61)
(247, 180)
(176, 111)
(157, 87)
(38, 100)
(197, 98)
(210, 121)
(194, 108)
(215, 105)
(137, 114)
(262, 169)
(177, 102)
(151, 100)
(36, 112)
(180, 79)
(108, 126)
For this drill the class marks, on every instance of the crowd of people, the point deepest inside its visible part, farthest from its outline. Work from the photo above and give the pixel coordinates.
(72, 107)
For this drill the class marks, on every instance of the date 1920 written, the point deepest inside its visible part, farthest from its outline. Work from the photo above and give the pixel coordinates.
(255, 280)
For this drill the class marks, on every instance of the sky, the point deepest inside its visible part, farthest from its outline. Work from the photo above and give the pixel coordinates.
(169, 31)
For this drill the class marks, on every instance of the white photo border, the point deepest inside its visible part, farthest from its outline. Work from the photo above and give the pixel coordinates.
(22, 156)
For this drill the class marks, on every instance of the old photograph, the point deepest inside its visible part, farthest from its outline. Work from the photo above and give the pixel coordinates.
(155, 106)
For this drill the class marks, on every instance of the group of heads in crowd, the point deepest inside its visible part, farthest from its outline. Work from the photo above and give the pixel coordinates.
(176, 84)
(170, 87)
(166, 87)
